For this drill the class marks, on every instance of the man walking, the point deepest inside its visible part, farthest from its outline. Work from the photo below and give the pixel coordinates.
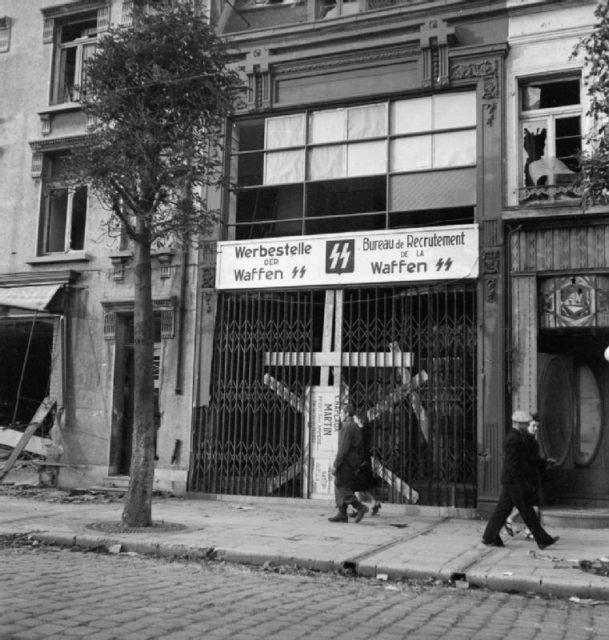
(349, 456)
(521, 465)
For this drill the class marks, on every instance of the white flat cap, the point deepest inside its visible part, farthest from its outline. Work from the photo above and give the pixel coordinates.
(521, 416)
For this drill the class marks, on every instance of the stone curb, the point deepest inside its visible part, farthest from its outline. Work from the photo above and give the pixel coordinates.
(462, 569)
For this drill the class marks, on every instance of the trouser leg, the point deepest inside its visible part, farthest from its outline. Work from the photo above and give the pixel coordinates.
(498, 517)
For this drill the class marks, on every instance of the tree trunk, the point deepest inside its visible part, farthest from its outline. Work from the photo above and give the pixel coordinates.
(137, 511)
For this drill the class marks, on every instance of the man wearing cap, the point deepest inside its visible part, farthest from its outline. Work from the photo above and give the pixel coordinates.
(520, 466)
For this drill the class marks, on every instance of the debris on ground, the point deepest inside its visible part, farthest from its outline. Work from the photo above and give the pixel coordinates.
(599, 567)
(49, 494)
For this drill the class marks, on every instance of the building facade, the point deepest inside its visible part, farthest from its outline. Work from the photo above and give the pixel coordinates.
(556, 252)
(372, 139)
(404, 236)
(66, 284)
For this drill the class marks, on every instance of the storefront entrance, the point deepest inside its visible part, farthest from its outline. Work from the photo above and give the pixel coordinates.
(405, 356)
(573, 392)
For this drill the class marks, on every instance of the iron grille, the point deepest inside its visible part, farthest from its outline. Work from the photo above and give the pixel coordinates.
(410, 371)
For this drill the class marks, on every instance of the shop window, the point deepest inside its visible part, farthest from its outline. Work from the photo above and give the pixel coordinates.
(551, 136)
(63, 211)
(75, 42)
(294, 170)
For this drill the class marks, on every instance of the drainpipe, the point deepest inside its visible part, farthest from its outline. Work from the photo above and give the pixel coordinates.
(180, 327)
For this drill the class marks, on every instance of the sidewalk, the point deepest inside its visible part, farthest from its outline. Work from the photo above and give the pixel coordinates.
(402, 542)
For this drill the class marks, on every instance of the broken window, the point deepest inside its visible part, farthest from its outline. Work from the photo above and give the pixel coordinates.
(64, 210)
(551, 137)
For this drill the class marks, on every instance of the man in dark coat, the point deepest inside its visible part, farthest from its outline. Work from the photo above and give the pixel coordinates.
(349, 456)
(521, 466)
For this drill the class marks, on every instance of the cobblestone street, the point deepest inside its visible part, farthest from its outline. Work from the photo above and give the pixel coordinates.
(50, 593)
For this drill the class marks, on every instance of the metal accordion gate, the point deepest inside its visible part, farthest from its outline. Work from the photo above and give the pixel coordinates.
(404, 356)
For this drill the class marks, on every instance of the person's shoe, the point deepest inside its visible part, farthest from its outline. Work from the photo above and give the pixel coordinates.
(362, 510)
(375, 509)
(495, 543)
(339, 517)
(549, 544)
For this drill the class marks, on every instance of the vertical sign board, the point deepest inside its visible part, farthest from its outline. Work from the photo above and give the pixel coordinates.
(325, 419)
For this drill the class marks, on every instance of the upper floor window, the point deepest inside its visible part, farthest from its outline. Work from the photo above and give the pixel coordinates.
(551, 135)
(76, 40)
(360, 167)
(5, 34)
(63, 213)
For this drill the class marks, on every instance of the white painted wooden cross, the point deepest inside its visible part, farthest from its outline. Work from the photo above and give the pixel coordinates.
(332, 358)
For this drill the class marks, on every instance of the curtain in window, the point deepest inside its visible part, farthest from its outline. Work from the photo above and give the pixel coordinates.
(281, 167)
(411, 154)
(367, 158)
(285, 131)
(411, 116)
(327, 162)
(369, 121)
(454, 149)
(452, 110)
(327, 126)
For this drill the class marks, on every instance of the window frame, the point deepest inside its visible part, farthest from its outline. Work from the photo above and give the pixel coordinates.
(50, 185)
(61, 92)
(550, 116)
(251, 144)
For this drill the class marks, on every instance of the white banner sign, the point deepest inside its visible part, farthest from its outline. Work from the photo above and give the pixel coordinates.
(325, 417)
(401, 255)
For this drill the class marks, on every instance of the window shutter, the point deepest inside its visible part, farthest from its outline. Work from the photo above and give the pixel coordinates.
(5, 34)
(126, 17)
(36, 164)
(48, 30)
(103, 19)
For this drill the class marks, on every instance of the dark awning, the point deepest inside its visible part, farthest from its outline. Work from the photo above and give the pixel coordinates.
(34, 298)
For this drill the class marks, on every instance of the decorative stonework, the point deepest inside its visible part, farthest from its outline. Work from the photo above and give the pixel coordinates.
(488, 70)
(491, 290)
(435, 37)
(166, 307)
(257, 69)
(330, 63)
(490, 261)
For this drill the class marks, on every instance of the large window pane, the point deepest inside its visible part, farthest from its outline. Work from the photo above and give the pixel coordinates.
(284, 166)
(411, 154)
(327, 162)
(453, 110)
(534, 140)
(548, 95)
(327, 126)
(454, 149)
(79, 218)
(269, 203)
(345, 224)
(342, 197)
(369, 121)
(367, 158)
(250, 169)
(55, 224)
(568, 141)
(249, 135)
(285, 131)
(411, 116)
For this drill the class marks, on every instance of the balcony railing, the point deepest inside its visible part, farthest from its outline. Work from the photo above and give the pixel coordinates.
(549, 193)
